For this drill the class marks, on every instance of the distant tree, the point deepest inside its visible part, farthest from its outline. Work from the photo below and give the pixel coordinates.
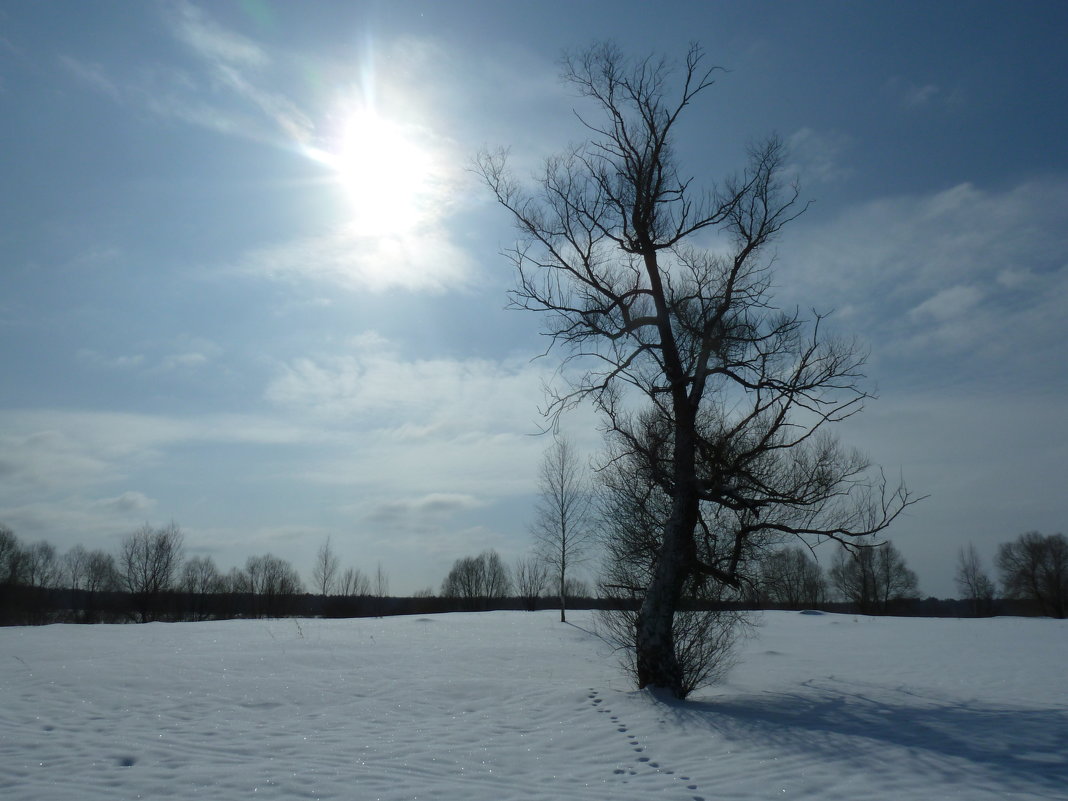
(973, 583)
(562, 528)
(498, 580)
(237, 581)
(530, 575)
(466, 579)
(10, 557)
(325, 572)
(75, 568)
(873, 577)
(274, 581)
(380, 583)
(101, 573)
(791, 578)
(477, 578)
(148, 565)
(353, 582)
(1035, 568)
(40, 566)
(200, 576)
(577, 588)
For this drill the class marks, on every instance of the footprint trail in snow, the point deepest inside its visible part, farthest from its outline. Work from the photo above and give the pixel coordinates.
(640, 760)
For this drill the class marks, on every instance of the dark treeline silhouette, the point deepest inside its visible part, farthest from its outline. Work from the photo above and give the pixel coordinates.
(22, 605)
(150, 582)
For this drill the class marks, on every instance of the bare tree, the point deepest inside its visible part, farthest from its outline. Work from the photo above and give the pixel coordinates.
(738, 392)
(973, 583)
(324, 574)
(380, 589)
(148, 564)
(10, 557)
(200, 578)
(353, 582)
(1035, 567)
(477, 578)
(562, 528)
(75, 567)
(791, 578)
(380, 586)
(706, 625)
(102, 575)
(274, 581)
(530, 575)
(40, 565)
(873, 577)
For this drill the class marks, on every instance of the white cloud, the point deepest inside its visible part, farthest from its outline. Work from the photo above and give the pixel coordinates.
(63, 451)
(916, 96)
(920, 95)
(93, 75)
(92, 358)
(194, 27)
(817, 156)
(967, 271)
(127, 502)
(423, 259)
(948, 303)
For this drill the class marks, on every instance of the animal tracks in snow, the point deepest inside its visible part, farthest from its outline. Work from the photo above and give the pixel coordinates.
(639, 763)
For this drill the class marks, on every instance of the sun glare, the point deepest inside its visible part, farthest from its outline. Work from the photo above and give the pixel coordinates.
(384, 172)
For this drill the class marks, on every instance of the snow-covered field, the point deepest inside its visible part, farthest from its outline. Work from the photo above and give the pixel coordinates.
(512, 705)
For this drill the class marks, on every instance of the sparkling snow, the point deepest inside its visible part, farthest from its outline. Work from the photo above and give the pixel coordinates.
(512, 705)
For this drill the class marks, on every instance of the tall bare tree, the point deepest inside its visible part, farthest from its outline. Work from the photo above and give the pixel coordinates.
(10, 557)
(1034, 567)
(735, 393)
(873, 577)
(40, 565)
(325, 572)
(148, 565)
(973, 583)
(530, 575)
(75, 568)
(477, 578)
(353, 582)
(273, 581)
(562, 527)
(791, 578)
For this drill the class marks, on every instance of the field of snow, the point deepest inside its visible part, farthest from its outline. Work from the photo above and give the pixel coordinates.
(512, 705)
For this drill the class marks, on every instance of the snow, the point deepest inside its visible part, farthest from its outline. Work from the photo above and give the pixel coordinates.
(513, 705)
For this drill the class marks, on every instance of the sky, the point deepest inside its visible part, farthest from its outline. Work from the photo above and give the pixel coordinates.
(249, 284)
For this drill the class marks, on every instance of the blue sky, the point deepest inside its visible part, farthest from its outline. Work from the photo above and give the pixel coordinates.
(216, 308)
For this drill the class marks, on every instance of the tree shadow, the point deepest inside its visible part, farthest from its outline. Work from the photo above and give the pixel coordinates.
(1016, 749)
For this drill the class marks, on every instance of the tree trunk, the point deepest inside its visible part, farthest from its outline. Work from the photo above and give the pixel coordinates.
(563, 602)
(657, 663)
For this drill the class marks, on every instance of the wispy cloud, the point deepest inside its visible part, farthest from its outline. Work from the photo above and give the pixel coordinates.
(184, 353)
(917, 96)
(817, 155)
(422, 259)
(964, 271)
(193, 26)
(93, 75)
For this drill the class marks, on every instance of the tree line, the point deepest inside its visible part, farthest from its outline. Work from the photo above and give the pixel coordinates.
(149, 579)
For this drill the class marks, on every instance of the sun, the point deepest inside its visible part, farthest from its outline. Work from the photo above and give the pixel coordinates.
(386, 174)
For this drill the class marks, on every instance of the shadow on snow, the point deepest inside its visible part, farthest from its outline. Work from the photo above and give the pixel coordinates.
(1019, 749)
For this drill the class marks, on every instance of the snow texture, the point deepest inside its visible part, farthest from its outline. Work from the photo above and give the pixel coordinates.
(512, 705)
